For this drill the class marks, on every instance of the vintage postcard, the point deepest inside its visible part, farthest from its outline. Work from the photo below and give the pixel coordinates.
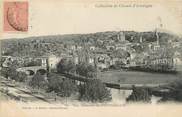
(91, 58)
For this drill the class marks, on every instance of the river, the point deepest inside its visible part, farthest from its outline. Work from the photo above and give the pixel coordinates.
(135, 77)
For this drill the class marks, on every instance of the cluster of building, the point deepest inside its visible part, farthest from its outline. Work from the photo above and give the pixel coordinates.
(153, 56)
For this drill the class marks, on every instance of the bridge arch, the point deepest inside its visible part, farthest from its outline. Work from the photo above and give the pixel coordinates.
(42, 71)
(30, 72)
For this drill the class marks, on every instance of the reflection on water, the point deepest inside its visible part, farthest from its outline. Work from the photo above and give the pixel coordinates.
(155, 99)
(119, 96)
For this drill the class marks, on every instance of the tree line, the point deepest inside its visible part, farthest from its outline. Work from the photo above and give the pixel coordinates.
(83, 69)
(92, 90)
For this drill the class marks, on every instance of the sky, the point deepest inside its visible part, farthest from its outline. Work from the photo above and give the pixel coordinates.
(52, 18)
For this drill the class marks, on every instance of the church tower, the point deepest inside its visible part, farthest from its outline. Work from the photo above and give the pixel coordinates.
(121, 36)
(159, 27)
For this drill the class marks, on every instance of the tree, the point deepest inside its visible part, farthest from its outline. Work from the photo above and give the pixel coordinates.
(62, 86)
(174, 93)
(12, 73)
(91, 71)
(88, 71)
(67, 88)
(81, 69)
(54, 82)
(120, 53)
(15, 64)
(21, 77)
(95, 91)
(71, 67)
(140, 95)
(5, 72)
(37, 81)
(10, 70)
(62, 66)
(65, 66)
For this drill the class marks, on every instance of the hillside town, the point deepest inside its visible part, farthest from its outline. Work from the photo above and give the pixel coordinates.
(45, 63)
(110, 53)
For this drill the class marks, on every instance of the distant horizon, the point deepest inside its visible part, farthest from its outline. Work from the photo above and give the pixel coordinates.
(168, 32)
(65, 18)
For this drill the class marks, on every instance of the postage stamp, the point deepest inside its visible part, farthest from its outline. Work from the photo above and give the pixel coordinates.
(15, 16)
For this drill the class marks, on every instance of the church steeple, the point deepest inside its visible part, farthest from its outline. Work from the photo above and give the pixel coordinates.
(157, 36)
(121, 36)
(158, 28)
(141, 39)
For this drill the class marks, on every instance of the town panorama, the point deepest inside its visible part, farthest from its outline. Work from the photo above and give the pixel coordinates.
(112, 66)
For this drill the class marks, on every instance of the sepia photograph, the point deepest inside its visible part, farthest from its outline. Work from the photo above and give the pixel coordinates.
(80, 54)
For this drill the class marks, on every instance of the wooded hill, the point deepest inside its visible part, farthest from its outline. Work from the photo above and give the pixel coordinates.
(9, 46)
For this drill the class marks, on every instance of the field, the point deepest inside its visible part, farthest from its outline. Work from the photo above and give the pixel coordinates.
(133, 77)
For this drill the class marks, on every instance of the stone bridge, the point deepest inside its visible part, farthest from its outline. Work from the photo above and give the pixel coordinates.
(33, 70)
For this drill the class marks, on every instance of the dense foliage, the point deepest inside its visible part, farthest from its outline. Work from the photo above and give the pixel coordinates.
(66, 66)
(38, 81)
(37, 46)
(60, 85)
(83, 69)
(86, 70)
(95, 91)
(67, 88)
(13, 74)
(174, 93)
(140, 95)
